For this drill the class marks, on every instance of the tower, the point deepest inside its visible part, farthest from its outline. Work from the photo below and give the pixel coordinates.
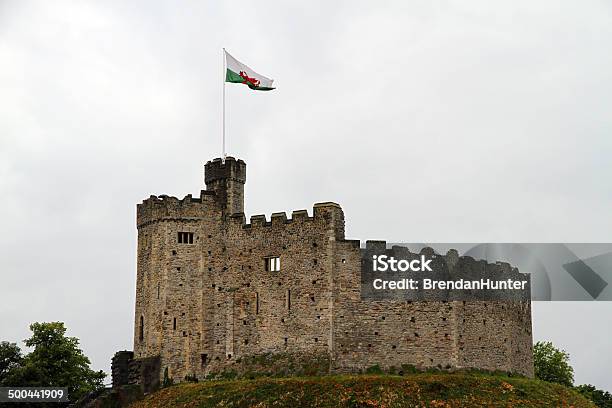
(226, 179)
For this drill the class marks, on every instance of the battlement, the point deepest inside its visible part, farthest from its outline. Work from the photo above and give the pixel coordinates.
(231, 168)
(156, 208)
(452, 259)
(165, 199)
(326, 213)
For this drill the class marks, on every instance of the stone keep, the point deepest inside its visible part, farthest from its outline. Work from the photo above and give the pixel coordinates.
(205, 294)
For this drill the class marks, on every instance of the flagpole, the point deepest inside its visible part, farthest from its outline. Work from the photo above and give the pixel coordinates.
(223, 155)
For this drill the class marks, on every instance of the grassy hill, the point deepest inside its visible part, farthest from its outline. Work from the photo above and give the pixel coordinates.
(414, 390)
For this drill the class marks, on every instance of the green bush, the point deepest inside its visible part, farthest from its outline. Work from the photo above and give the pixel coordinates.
(375, 369)
(603, 399)
(408, 369)
(552, 364)
(56, 360)
(192, 378)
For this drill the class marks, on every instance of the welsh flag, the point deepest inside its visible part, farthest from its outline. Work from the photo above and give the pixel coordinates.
(239, 73)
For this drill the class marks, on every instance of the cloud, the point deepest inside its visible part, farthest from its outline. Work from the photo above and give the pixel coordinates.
(428, 121)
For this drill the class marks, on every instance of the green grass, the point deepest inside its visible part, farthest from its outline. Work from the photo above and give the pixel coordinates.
(414, 390)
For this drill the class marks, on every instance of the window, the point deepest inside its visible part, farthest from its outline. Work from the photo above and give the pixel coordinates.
(185, 237)
(204, 358)
(288, 299)
(272, 264)
(141, 330)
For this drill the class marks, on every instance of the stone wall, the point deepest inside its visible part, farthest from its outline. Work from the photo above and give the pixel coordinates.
(490, 335)
(120, 370)
(144, 372)
(203, 304)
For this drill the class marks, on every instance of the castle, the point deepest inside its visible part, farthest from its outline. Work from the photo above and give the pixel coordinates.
(212, 288)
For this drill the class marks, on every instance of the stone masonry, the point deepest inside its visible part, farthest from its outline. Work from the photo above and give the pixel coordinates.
(206, 296)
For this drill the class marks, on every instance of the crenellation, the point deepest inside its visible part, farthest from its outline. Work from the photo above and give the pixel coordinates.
(238, 219)
(163, 207)
(300, 215)
(353, 243)
(376, 245)
(258, 221)
(278, 219)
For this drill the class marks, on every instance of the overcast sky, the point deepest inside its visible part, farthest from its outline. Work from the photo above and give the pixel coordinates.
(428, 121)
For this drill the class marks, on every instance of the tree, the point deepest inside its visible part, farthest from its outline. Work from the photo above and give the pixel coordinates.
(10, 358)
(552, 364)
(602, 399)
(56, 361)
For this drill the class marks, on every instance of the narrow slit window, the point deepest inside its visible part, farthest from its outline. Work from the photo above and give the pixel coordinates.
(272, 264)
(141, 329)
(174, 324)
(256, 302)
(288, 299)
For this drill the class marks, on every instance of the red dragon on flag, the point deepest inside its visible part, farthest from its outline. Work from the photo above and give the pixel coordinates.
(248, 80)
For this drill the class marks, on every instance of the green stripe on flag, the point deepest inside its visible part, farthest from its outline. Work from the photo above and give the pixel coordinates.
(231, 76)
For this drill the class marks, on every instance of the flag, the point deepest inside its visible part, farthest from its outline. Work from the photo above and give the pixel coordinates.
(239, 73)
